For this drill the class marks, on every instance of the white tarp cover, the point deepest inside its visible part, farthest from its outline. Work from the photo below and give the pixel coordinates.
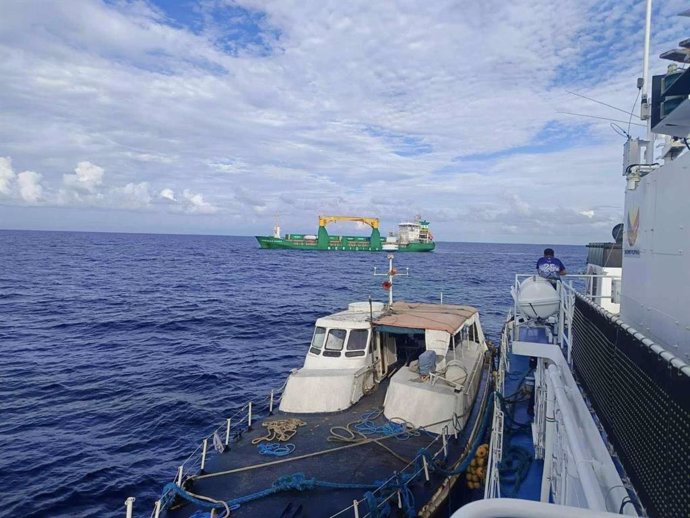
(437, 341)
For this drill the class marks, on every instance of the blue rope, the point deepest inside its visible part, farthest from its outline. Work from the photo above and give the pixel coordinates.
(371, 428)
(296, 481)
(514, 467)
(173, 489)
(367, 426)
(274, 449)
(377, 507)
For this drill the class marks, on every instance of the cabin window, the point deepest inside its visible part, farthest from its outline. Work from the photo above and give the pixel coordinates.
(357, 343)
(334, 342)
(474, 336)
(317, 340)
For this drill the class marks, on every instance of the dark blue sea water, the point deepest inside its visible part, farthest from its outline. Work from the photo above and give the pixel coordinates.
(119, 351)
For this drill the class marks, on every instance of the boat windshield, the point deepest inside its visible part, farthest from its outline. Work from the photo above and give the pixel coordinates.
(357, 342)
(317, 340)
(331, 342)
(335, 339)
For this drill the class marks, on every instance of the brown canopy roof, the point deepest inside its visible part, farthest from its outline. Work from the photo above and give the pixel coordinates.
(439, 317)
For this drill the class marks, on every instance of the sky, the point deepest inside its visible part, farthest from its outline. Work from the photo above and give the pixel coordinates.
(221, 116)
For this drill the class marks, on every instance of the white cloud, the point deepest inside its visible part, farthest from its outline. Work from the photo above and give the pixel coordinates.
(167, 194)
(379, 107)
(132, 195)
(7, 175)
(196, 204)
(149, 157)
(87, 188)
(30, 188)
(86, 178)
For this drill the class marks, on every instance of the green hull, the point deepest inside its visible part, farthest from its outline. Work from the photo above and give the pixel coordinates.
(339, 243)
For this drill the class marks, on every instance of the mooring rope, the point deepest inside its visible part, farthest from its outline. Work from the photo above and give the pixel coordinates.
(274, 449)
(279, 430)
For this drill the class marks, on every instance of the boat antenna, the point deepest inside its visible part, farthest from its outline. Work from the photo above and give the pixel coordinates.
(644, 85)
(391, 273)
(631, 113)
(602, 118)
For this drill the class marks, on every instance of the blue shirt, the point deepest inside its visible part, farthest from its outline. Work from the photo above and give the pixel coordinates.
(550, 267)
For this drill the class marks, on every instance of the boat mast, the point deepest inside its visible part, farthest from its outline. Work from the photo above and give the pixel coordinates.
(388, 283)
(644, 104)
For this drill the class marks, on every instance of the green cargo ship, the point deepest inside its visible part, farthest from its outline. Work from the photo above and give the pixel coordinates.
(411, 237)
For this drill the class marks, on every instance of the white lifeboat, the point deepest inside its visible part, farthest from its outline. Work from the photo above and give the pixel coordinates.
(537, 298)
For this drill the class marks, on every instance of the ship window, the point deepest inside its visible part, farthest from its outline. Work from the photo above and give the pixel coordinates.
(474, 336)
(317, 340)
(358, 340)
(335, 339)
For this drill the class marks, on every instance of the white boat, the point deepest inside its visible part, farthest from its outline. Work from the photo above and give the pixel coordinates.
(390, 406)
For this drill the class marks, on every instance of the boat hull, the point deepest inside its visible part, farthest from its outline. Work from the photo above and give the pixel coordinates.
(345, 245)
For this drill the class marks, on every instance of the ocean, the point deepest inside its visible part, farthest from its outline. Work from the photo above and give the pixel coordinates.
(120, 351)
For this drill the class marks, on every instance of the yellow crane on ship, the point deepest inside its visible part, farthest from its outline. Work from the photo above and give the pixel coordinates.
(325, 220)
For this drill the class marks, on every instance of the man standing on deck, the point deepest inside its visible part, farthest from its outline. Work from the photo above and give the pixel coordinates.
(550, 267)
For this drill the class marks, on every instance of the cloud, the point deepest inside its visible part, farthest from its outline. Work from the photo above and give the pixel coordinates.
(196, 204)
(6, 175)
(255, 107)
(86, 178)
(88, 187)
(167, 194)
(30, 188)
(25, 186)
(132, 195)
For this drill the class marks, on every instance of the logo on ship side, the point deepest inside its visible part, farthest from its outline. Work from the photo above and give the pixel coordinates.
(632, 231)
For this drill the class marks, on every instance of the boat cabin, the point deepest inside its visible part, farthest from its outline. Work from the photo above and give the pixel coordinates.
(428, 358)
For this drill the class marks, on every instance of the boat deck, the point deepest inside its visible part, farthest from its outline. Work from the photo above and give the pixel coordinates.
(529, 487)
(243, 471)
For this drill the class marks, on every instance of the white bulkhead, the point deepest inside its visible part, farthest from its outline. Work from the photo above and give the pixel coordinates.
(444, 398)
(338, 368)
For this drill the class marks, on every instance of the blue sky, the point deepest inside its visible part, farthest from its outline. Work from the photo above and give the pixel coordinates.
(213, 116)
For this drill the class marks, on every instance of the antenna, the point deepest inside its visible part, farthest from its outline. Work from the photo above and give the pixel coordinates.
(644, 103)
(603, 103)
(600, 118)
(392, 272)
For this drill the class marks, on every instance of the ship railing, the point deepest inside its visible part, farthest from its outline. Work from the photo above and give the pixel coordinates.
(580, 282)
(416, 471)
(219, 440)
(567, 288)
(525, 509)
(492, 488)
(577, 470)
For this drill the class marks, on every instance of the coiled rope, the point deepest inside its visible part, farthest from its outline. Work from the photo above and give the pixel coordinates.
(273, 449)
(279, 430)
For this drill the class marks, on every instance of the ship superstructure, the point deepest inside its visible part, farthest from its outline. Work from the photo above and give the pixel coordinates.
(411, 237)
(593, 416)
